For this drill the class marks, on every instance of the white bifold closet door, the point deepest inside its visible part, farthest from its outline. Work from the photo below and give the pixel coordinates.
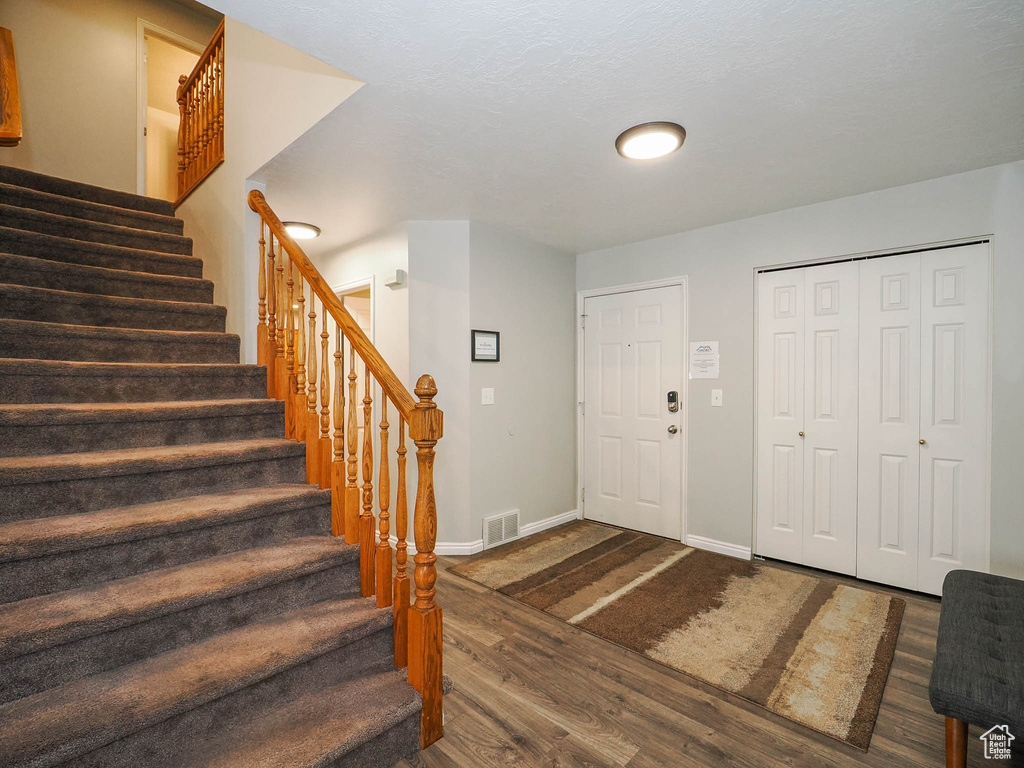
(923, 495)
(807, 416)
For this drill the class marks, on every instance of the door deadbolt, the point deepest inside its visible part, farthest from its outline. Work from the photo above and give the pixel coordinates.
(673, 401)
(673, 429)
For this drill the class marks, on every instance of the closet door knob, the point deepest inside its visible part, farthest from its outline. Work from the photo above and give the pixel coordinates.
(801, 433)
(921, 441)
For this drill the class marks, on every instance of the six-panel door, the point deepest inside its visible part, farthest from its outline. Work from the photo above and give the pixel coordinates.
(632, 358)
(888, 479)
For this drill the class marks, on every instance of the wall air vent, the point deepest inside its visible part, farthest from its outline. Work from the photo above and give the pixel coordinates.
(501, 528)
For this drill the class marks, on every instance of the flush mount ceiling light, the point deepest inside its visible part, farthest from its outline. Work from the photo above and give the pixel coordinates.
(650, 140)
(300, 230)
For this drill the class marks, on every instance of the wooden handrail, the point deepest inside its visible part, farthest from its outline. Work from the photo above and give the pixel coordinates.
(218, 34)
(379, 368)
(201, 126)
(299, 373)
(10, 103)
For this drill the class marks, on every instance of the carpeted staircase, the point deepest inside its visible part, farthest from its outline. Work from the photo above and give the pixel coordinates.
(169, 591)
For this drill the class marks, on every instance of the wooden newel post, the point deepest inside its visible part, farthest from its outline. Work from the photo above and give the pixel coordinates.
(425, 624)
(182, 127)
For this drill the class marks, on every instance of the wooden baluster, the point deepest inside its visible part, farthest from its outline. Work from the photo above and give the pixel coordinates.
(351, 489)
(220, 100)
(425, 618)
(383, 565)
(289, 357)
(324, 457)
(338, 465)
(280, 373)
(261, 329)
(312, 420)
(401, 589)
(298, 396)
(271, 320)
(367, 537)
(183, 136)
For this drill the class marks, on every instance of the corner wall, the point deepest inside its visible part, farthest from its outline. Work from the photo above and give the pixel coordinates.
(720, 262)
(524, 446)
(258, 72)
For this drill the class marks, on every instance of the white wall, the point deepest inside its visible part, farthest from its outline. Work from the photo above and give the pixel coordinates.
(439, 263)
(519, 453)
(524, 445)
(376, 258)
(720, 262)
(77, 80)
(216, 214)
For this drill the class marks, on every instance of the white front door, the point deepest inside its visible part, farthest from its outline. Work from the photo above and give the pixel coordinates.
(633, 358)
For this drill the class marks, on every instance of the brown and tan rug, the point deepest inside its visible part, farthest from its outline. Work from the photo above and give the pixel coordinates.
(810, 649)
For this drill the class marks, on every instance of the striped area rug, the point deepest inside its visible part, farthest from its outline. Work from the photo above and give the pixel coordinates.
(810, 649)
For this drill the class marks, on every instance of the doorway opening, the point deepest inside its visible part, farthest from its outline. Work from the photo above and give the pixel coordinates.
(163, 57)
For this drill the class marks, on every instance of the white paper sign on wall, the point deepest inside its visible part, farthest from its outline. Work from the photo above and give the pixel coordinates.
(703, 359)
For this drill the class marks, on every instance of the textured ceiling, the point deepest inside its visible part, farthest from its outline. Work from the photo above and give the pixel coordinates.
(505, 111)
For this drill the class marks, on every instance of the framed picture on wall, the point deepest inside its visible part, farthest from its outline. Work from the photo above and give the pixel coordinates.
(486, 347)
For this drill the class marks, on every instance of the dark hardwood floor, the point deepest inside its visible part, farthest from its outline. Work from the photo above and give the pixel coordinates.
(530, 691)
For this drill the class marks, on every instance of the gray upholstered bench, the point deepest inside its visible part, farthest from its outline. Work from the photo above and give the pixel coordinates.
(978, 675)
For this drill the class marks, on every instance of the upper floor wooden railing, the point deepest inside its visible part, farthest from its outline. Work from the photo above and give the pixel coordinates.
(201, 130)
(299, 372)
(10, 103)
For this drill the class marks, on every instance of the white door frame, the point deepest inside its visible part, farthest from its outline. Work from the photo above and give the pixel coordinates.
(581, 297)
(876, 254)
(144, 28)
(352, 286)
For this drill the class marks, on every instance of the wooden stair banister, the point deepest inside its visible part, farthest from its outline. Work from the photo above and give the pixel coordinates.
(201, 127)
(10, 102)
(292, 376)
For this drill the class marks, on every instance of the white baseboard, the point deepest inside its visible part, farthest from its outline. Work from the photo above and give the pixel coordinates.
(472, 547)
(721, 547)
(549, 522)
(457, 547)
(445, 547)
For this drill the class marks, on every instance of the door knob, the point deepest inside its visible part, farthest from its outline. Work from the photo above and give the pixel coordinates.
(801, 433)
(673, 429)
(921, 441)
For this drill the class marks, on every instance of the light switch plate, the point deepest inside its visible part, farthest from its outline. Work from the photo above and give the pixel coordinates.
(716, 398)
(487, 396)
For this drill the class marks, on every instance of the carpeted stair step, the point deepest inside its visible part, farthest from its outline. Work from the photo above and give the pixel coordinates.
(44, 555)
(57, 381)
(76, 189)
(25, 303)
(51, 640)
(47, 202)
(42, 273)
(32, 339)
(371, 721)
(36, 429)
(193, 695)
(92, 231)
(62, 249)
(69, 483)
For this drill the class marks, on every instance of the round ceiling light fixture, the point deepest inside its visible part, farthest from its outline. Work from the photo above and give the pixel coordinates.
(650, 140)
(300, 230)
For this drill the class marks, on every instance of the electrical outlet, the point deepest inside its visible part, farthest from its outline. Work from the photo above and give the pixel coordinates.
(716, 398)
(487, 396)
